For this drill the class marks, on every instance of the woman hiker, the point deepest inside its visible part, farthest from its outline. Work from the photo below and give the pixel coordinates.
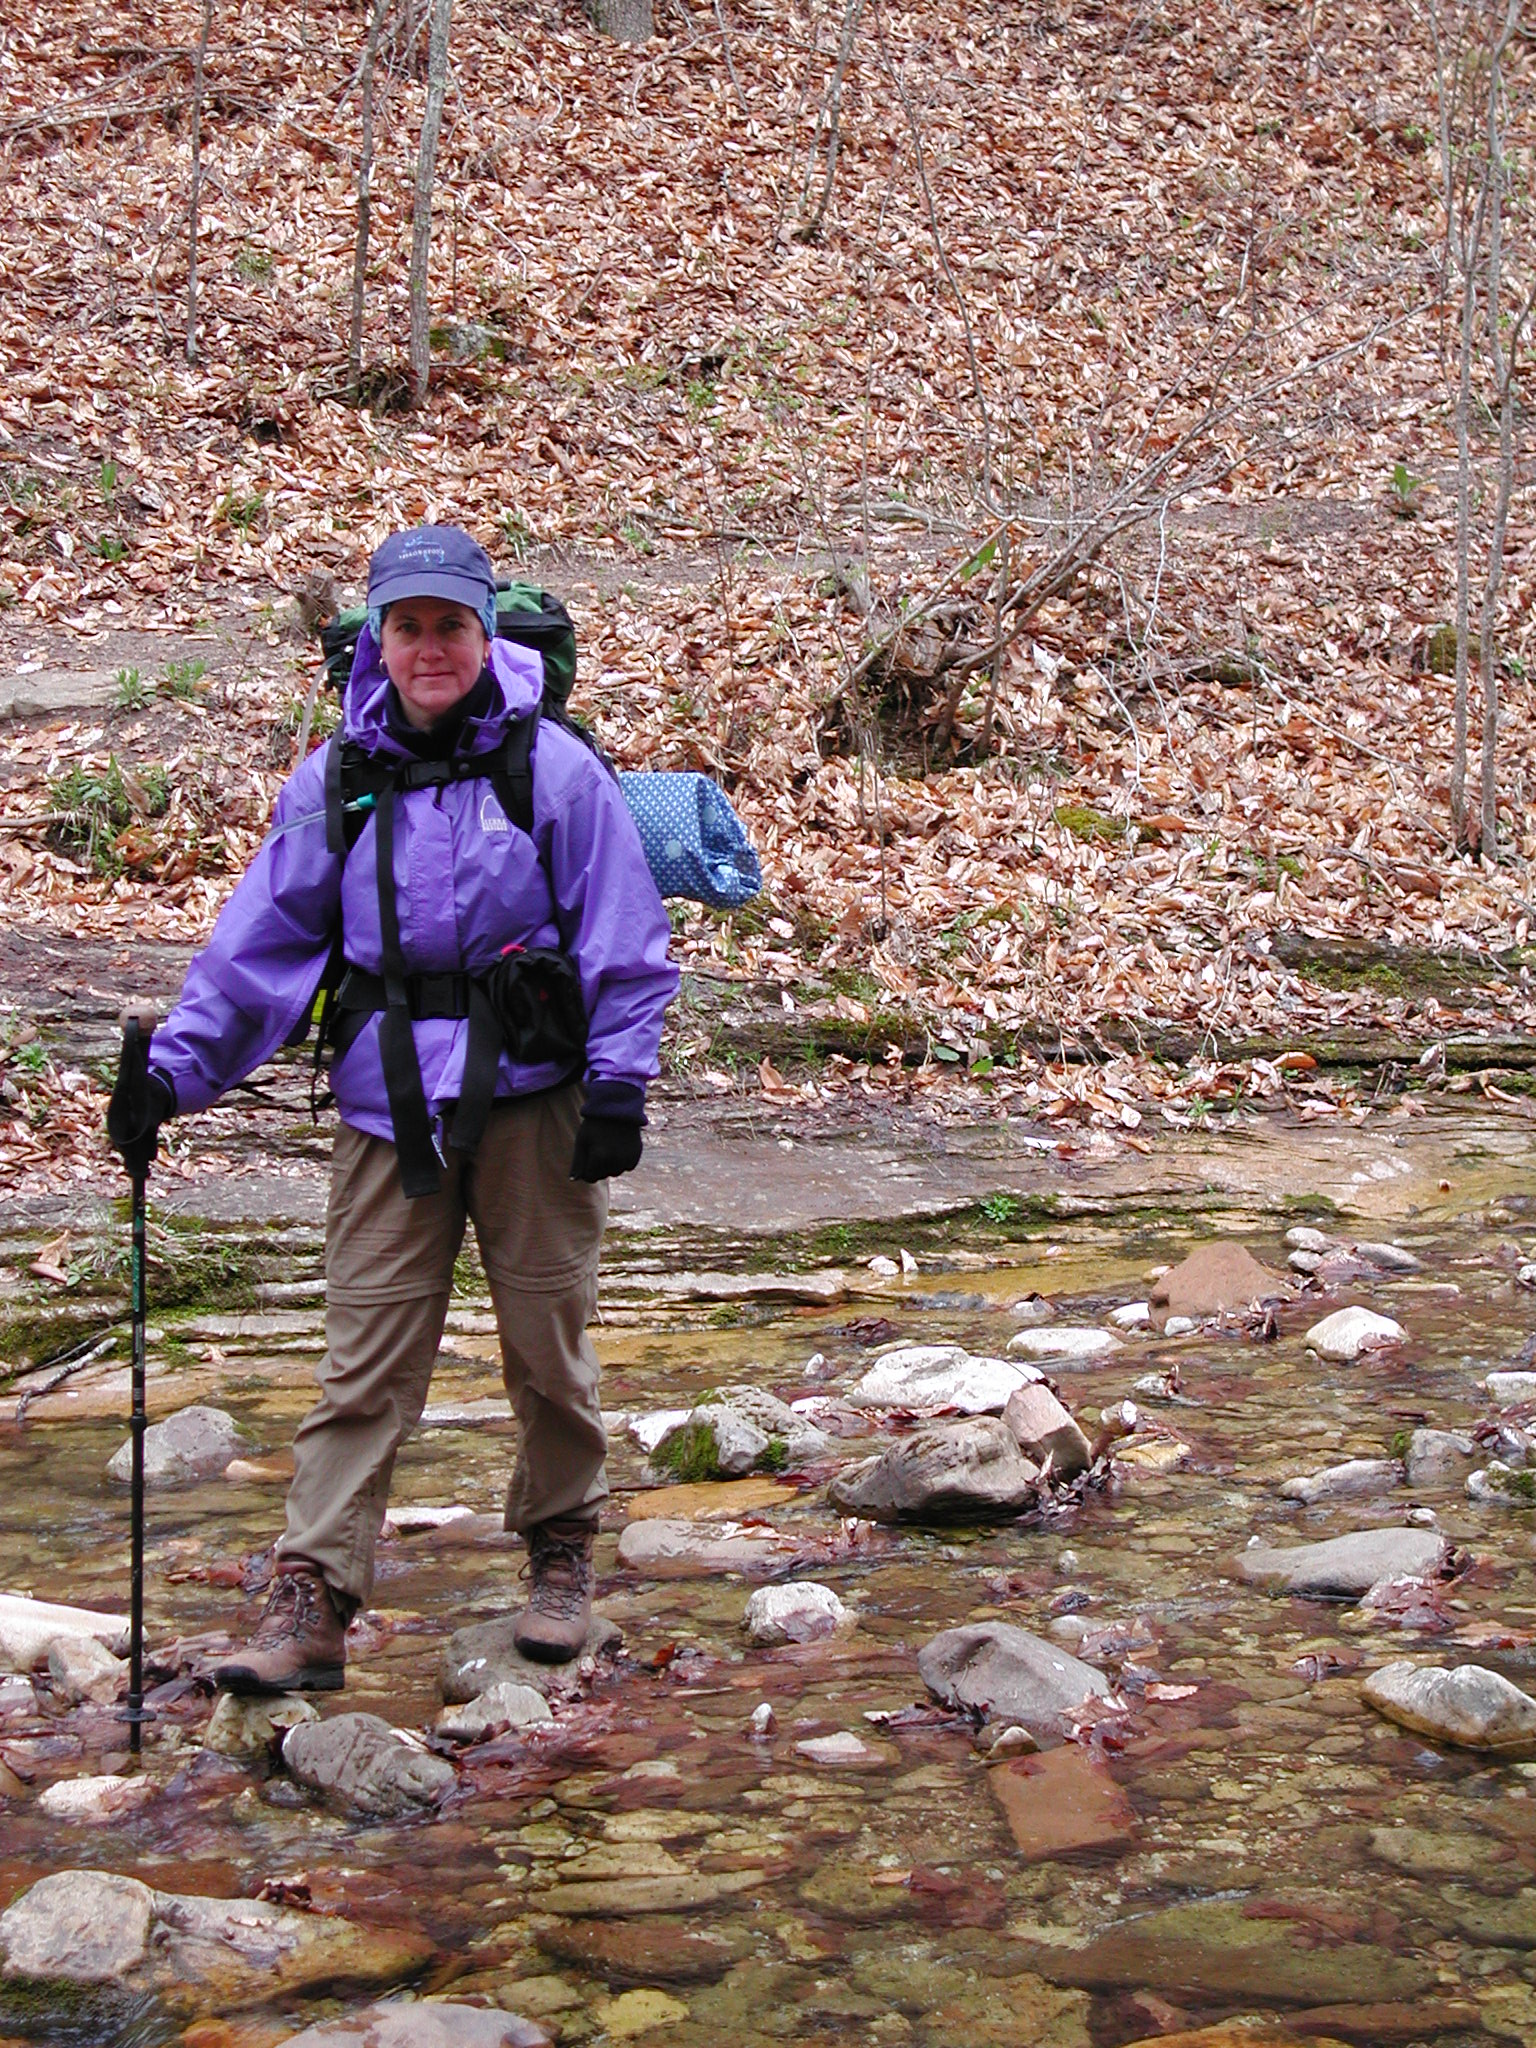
(456, 926)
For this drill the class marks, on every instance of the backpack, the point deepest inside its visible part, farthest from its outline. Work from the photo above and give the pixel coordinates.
(524, 613)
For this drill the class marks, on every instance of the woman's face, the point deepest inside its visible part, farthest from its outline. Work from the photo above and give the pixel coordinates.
(433, 653)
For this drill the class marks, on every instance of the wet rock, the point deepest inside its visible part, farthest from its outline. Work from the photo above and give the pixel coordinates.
(502, 1706)
(96, 1800)
(801, 1612)
(29, 1628)
(196, 1443)
(648, 1430)
(1060, 1802)
(1065, 1344)
(1465, 1704)
(683, 1891)
(1131, 1315)
(1214, 1951)
(1042, 1428)
(484, 1655)
(1428, 1852)
(928, 1378)
(843, 1748)
(715, 1442)
(415, 1519)
(1221, 1278)
(1345, 1566)
(779, 1422)
(654, 1950)
(82, 1671)
(664, 1548)
(1004, 1673)
(1350, 1331)
(1355, 1479)
(79, 1926)
(422, 2023)
(638, 2012)
(1503, 1485)
(1510, 1387)
(1439, 1457)
(362, 1767)
(87, 1928)
(762, 1721)
(971, 1470)
(16, 1693)
(1301, 1237)
(1031, 1309)
(1388, 1258)
(1500, 1923)
(709, 1500)
(245, 1728)
(849, 1889)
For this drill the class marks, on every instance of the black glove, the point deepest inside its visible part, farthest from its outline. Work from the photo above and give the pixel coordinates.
(141, 1103)
(605, 1145)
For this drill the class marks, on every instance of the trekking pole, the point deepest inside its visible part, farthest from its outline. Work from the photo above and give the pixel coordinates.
(138, 1026)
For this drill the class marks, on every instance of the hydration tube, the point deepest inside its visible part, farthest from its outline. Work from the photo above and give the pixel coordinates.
(364, 803)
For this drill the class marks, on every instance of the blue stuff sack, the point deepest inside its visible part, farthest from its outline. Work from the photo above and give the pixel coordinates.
(695, 845)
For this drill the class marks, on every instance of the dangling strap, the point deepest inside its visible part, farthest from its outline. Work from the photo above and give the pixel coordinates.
(482, 1063)
(420, 1167)
(512, 772)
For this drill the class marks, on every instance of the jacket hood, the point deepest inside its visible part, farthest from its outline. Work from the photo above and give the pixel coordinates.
(517, 674)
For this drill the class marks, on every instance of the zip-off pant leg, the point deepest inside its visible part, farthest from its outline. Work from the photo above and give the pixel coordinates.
(540, 1235)
(389, 1274)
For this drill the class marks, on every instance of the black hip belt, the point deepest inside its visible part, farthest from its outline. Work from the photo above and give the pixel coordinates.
(528, 1005)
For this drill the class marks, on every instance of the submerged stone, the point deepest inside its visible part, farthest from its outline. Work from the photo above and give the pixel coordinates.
(1004, 1673)
(1345, 1566)
(664, 1548)
(98, 1800)
(1355, 1479)
(484, 1655)
(1060, 1802)
(1216, 1950)
(650, 1950)
(683, 1891)
(422, 2023)
(361, 1765)
(638, 2012)
(1466, 1705)
(1439, 1457)
(196, 1443)
(971, 1470)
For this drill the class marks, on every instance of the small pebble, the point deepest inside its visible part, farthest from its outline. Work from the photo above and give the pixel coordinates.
(762, 1722)
(1013, 1741)
(1179, 1326)
(1422, 1518)
(1066, 1564)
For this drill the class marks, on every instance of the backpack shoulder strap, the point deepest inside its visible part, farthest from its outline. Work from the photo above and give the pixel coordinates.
(511, 772)
(354, 780)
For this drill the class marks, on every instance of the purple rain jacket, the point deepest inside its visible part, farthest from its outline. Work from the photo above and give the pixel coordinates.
(468, 884)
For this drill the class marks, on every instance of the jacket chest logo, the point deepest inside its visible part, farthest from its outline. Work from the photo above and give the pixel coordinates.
(492, 817)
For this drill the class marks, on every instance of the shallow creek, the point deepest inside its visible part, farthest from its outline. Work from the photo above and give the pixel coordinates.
(1250, 1839)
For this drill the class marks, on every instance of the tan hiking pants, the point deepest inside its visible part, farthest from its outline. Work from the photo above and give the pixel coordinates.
(389, 1275)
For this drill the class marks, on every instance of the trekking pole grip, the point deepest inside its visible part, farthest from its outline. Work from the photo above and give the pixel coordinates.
(139, 1011)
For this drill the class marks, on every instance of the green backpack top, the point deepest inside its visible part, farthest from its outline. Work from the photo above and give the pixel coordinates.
(524, 613)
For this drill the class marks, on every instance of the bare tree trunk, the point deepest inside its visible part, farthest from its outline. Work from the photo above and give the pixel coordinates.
(627, 21)
(1471, 249)
(828, 112)
(426, 174)
(199, 64)
(364, 198)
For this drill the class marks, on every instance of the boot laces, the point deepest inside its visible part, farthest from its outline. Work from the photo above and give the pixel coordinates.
(561, 1577)
(292, 1605)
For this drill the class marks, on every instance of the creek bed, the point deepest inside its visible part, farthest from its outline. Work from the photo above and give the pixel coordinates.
(1251, 1838)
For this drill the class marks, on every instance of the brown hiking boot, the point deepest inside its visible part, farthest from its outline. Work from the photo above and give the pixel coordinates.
(553, 1626)
(299, 1644)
